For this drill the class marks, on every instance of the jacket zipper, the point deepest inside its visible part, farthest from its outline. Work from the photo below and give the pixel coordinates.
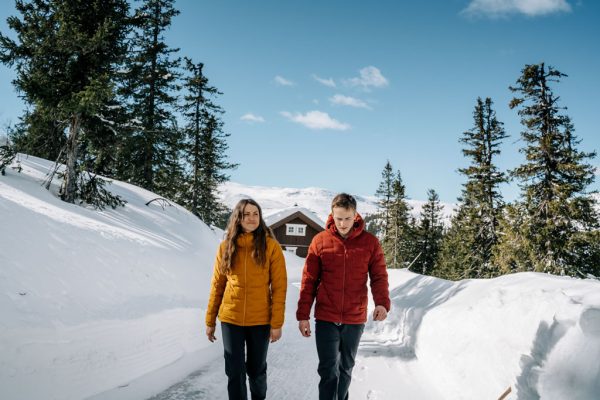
(245, 284)
(343, 286)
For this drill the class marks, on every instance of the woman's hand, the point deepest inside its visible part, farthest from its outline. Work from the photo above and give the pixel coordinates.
(210, 333)
(275, 335)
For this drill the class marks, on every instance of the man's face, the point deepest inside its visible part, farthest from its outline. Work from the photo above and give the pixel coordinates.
(344, 220)
(251, 218)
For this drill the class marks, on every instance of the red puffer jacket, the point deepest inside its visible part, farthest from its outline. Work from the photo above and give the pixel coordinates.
(336, 271)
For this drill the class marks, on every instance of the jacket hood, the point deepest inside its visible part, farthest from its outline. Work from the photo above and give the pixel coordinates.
(358, 227)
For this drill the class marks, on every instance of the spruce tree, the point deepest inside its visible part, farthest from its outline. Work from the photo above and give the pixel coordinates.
(39, 133)
(456, 259)
(384, 193)
(556, 216)
(205, 146)
(149, 83)
(469, 243)
(64, 57)
(430, 232)
(398, 239)
(170, 178)
(373, 224)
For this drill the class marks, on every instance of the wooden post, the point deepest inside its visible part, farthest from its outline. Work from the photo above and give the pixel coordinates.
(506, 393)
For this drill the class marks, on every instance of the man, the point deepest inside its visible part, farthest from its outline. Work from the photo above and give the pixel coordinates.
(337, 266)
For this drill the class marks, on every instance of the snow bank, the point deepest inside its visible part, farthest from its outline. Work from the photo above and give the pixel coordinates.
(92, 300)
(537, 333)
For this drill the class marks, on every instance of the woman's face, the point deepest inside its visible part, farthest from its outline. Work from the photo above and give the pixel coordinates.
(250, 218)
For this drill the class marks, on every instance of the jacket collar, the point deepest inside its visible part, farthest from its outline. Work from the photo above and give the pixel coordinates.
(359, 226)
(245, 240)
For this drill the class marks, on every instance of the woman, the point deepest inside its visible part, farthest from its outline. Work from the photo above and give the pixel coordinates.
(247, 292)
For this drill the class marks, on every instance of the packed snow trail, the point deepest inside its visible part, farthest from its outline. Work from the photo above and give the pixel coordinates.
(292, 367)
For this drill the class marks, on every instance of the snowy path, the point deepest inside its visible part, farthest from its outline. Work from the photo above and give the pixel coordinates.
(292, 367)
(292, 371)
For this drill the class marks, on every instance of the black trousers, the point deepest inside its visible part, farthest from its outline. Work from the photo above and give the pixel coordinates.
(337, 346)
(236, 339)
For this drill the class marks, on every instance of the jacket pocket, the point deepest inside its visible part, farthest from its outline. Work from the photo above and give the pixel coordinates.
(322, 297)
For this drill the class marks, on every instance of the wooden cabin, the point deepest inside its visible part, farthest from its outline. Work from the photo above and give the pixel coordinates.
(294, 228)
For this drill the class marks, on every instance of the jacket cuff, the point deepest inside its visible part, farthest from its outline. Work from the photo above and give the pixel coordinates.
(302, 317)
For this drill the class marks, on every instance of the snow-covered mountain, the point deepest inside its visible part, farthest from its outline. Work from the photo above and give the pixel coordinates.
(109, 305)
(317, 200)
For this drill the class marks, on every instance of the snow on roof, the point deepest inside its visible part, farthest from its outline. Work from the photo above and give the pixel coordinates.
(286, 212)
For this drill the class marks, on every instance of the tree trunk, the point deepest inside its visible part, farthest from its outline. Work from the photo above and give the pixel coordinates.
(70, 187)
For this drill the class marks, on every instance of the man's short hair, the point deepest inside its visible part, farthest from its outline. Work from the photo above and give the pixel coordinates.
(344, 200)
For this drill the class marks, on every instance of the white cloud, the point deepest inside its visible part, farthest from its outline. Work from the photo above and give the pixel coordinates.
(280, 80)
(327, 82)
(531, 8)
(249, 117)
(348, 101)
(369, 77)
(316, 120)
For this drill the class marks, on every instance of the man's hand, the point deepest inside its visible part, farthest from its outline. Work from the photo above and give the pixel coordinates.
(380, 313)
(275, 335)
(210, 333)
(304, 327)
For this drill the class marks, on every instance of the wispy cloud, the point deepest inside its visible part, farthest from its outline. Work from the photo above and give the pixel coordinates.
(500, 8)
(342, 100)
(327, 82)
(280, 80)
(369, 77)
(316, 120)
(249, 117)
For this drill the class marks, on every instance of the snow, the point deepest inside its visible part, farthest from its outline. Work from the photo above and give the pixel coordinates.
(270, 219)
(94, 299)
(110, 305)
(275, 199)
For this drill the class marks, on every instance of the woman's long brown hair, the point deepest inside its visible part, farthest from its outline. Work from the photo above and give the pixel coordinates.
(234, 230)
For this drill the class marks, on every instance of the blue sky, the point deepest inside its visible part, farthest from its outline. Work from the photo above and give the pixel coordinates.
(323, 93)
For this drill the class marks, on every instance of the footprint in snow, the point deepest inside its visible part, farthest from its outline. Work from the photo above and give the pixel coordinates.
(373, 394)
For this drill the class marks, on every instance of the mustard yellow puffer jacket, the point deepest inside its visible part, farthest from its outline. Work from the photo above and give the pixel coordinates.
(250, 294)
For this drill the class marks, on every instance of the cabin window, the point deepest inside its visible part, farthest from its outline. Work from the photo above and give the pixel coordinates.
(291, 249)
(295, 229)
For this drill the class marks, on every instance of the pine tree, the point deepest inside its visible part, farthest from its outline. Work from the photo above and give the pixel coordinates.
(205, 146)
(398, 239)
(469, 243)
(373, 224)
(39, 133)
(555, 211)
(429, 234)
(103, 135)
(64, 56)
(384, 193)
(149, 83)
